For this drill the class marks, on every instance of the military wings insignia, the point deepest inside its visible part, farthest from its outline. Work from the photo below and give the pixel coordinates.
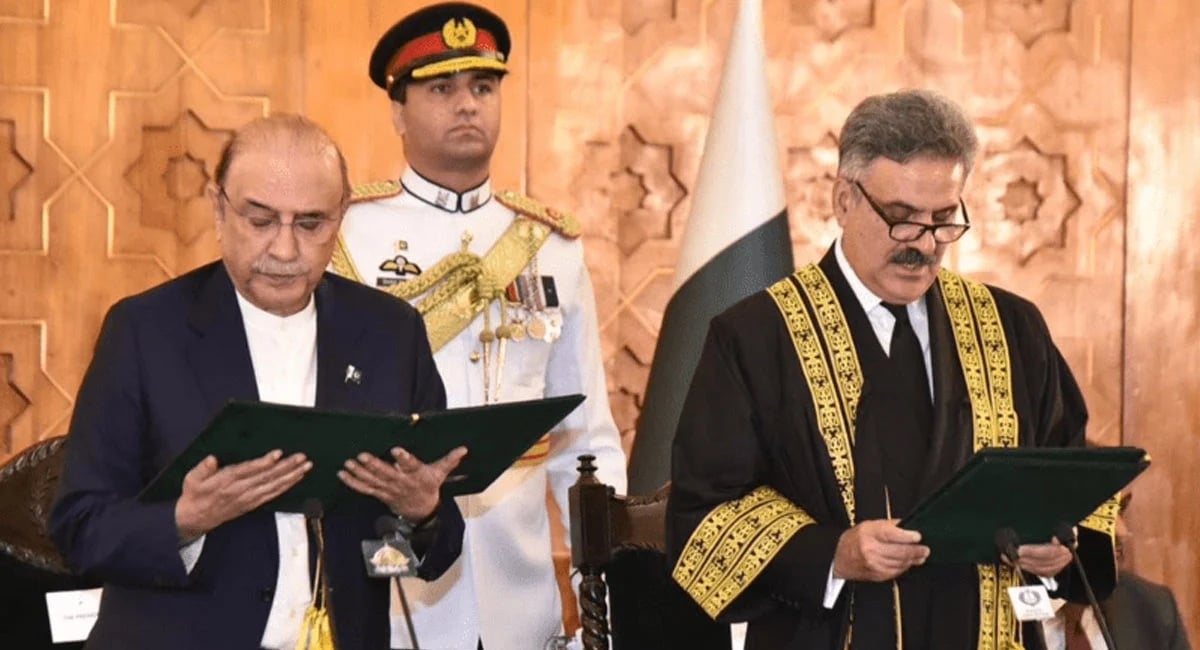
(400, 266)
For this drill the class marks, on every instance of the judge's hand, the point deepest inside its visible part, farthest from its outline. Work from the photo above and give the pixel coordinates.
(1043, 560)
(408, 487)
(212, 496)
(877, 550)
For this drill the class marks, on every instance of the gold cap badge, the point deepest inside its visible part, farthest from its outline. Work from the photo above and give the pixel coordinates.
(459, 33)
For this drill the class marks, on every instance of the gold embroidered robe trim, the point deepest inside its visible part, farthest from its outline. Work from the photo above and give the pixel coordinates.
(987, 370)
(984, 356)
(734, 543)
(737, 539)
(1104, 520)
(834, 419)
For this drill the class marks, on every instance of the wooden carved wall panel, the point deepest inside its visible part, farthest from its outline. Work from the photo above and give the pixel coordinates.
(170, 142)
(1162, 298)
(112, 114)
(14, 170)
(31, 11)
(12, 401)
(1047, 194)
(192, 25)
(1044, 81)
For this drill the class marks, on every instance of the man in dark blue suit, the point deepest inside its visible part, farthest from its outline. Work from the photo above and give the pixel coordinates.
(212, 570)
(1140, 613)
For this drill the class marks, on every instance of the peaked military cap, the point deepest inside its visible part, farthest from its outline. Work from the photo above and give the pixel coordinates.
(438, 40)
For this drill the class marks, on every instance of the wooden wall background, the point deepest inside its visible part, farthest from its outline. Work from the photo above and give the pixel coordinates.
(112, 113)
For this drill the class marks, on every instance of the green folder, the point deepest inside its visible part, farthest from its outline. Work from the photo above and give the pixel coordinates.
(495, 436)
(1031, 491)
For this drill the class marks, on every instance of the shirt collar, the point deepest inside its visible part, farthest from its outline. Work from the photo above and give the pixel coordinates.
(444, 198)
(264, 321)
(865, 296)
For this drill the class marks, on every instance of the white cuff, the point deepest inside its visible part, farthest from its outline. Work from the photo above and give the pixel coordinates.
(190, 553)
(833, 588)
(1050, 583)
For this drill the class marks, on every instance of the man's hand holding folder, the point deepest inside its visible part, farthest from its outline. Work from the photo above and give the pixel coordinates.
(410, 489)
(259, 455)
(213, 495)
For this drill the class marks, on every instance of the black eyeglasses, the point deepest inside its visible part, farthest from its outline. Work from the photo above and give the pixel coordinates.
(910, 231)
(265, 222)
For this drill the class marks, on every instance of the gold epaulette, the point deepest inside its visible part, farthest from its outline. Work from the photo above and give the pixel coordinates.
(374, 190)
(562, 223)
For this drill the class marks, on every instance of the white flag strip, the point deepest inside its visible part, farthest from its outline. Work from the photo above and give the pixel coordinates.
(740, 184)
(735, 242)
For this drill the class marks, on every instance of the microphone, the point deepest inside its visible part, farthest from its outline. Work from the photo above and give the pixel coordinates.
(1007, 542)
(386, 526)
(313, 508)
(313, 512)
(390, 528)
(1065, 534)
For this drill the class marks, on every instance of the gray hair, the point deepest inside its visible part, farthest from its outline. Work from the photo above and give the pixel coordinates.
(295, 130)
(904, 125)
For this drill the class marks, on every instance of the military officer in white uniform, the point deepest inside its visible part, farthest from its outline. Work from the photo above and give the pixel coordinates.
(501, 283)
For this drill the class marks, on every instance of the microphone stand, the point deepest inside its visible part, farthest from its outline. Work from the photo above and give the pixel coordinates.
(1007, 544)
(412, 633)
(1065, 534)
(390, 527)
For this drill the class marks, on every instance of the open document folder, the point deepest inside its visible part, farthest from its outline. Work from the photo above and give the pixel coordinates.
(495, 436)
(1031, 491)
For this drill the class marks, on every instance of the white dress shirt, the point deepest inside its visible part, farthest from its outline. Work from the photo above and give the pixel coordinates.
(283, 351)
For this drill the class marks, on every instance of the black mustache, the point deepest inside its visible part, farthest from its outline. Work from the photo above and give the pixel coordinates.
(912, 256)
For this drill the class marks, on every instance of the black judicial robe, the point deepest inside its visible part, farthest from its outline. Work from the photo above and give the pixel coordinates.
(749, 421)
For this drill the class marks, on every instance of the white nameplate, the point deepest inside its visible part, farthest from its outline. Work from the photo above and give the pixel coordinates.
(1031, 603)
(72, 614)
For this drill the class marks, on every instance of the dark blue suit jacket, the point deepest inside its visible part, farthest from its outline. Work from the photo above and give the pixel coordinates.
(1142, 614)
(167, 360)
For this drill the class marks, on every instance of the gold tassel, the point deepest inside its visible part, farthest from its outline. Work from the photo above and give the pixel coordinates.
(316, 631)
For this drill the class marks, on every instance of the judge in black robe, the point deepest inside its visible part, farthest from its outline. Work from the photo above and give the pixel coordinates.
(749, 421)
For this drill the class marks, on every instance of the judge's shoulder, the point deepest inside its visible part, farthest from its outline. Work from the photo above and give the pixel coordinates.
(747, 318)
(1019, 311)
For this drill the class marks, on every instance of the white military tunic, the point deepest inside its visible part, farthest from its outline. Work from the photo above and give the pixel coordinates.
(502, 590)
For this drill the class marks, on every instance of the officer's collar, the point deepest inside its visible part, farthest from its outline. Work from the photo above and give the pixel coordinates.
(444, 198)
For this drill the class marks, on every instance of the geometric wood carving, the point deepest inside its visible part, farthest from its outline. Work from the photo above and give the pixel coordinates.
(1029, 19)
(1027, 189)
(636, 14)
(810, 172)
(646, 191)
(13, 170)
(832, 19)
(171, 172)
(12, 402)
